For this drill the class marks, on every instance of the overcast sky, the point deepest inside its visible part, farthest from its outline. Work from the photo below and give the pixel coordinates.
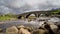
(19, 6)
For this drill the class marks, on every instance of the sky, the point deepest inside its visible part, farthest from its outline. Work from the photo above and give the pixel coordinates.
(20, 6)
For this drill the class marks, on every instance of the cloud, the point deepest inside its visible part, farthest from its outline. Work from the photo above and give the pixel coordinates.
(19, 6)
(54, 2)
(5, 10)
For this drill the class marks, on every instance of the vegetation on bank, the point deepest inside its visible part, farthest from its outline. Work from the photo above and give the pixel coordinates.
(56, 12)
(7, 17)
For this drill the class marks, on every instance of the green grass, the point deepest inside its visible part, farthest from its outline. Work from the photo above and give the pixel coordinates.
(5, 18)
(30, 17)
(56, 11)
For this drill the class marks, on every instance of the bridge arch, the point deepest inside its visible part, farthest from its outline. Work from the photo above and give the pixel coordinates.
(32, 14)
(36, 13)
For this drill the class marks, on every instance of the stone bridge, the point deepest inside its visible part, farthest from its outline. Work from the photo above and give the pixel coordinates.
(36, 13)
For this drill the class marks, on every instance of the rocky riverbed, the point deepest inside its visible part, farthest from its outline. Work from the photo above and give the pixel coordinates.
(52, 22)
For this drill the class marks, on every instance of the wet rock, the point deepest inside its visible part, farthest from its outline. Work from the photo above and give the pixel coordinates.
(50, 23)
(32, 22)
(12, 30)
(54, 19)
(41, 23)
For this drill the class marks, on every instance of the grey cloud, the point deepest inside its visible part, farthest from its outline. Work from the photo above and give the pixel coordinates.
(4, 9)
(19, 6)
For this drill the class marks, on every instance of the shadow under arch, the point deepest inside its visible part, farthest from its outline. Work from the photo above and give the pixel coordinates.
(19, 17)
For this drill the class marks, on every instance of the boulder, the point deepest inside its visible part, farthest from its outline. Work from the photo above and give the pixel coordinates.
(23, 31)
(21, 26)
(29, 28)
(12, 30)
(54, 28)
(51, 25)
(40, 31)
(58, 32)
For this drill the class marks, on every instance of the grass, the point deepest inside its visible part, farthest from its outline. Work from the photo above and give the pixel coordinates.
(56, 11)
(5, 18)
(31, 17)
